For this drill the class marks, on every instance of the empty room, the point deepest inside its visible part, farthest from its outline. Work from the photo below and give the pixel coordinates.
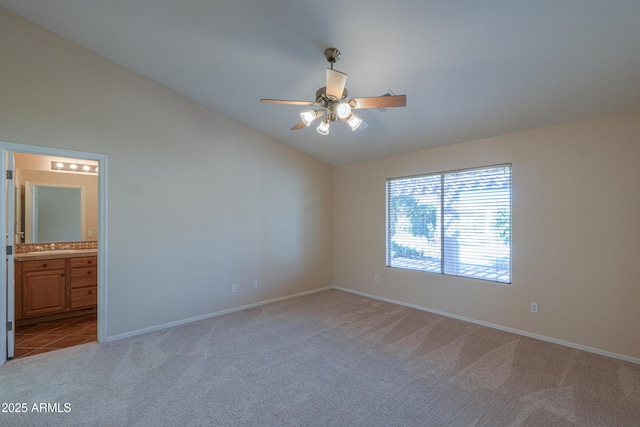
(296, 213)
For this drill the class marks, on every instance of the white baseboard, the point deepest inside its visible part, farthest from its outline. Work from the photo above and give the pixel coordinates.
(499, 327)
(206, 316)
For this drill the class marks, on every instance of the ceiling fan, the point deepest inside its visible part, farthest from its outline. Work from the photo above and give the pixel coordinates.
(333, 103)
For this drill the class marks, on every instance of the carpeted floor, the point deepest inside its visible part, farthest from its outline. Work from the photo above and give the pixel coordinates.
(326, 359)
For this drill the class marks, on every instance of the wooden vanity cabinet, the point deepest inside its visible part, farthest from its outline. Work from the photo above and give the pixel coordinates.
(44, 287)
(55, 288)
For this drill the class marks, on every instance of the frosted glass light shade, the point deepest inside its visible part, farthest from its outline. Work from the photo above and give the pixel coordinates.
(323, 128)
(307, 117)
(354, 122)
(343, 110)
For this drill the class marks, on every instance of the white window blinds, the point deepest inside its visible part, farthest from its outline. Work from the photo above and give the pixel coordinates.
(456, 223)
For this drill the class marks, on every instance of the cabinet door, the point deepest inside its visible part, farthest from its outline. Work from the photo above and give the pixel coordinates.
(43, 292)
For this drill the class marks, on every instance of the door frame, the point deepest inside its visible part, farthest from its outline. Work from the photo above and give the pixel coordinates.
(9, 147)
(10, 263)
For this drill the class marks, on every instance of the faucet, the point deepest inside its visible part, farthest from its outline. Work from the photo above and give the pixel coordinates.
(53, 246)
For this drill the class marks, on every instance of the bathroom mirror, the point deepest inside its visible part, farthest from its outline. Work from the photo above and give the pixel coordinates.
(43, 171)
(54, 213)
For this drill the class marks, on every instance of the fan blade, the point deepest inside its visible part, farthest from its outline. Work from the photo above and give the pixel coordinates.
(379, 102)
(335, 83)
(287, 102)
(299, 126)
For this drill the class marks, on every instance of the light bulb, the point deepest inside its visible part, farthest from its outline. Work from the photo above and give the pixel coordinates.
(73, 166)
(343, 110)
(323, 127)
(354, 122)
(307, 117)
(86, 168)
(59, 165)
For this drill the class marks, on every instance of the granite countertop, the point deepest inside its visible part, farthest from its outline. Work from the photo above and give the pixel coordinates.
(67, 253)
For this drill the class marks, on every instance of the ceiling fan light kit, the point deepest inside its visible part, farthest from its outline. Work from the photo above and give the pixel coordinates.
(354, 122)
(343, 110)
(333, 103)
(308, 116)
(323, 127)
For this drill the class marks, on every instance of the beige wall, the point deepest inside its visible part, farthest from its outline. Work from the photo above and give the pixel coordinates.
(576, 233)
(196, 201)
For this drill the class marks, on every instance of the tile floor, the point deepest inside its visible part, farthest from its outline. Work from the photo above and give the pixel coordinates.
(54, 335)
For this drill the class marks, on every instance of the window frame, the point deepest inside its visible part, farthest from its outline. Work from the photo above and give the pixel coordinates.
(441, 222)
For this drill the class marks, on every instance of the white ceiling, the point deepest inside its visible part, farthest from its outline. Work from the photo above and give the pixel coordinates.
(470, 69)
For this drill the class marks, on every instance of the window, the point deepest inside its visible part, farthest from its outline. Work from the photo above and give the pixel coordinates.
(456, 223)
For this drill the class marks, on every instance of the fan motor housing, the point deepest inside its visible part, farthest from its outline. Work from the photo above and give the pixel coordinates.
(321, 95)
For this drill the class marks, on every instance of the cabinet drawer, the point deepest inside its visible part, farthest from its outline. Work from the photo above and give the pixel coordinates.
(84, 276)
(84, 297)
(87, 261)
(47, 264)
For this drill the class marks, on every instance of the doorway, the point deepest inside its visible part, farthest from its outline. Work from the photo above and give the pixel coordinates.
(74, 312)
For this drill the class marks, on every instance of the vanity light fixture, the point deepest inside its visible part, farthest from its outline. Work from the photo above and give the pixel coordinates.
(74, 167)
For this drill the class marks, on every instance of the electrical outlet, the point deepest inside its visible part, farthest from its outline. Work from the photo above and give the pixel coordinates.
(534, 307)
(234, 288)
(255, 284)
(376, 278)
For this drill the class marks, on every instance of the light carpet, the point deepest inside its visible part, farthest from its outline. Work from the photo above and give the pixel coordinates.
(325, 359)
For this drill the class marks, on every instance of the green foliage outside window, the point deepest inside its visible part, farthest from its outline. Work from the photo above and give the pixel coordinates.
(503, 225)
(423, 217)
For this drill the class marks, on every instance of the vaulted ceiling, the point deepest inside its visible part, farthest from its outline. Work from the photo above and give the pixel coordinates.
(470, 69)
